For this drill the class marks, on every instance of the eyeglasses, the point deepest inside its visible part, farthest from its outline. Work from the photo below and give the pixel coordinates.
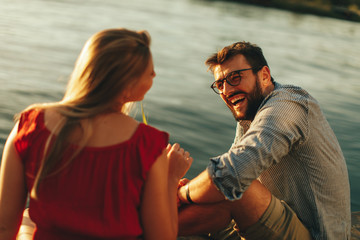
(233, 79)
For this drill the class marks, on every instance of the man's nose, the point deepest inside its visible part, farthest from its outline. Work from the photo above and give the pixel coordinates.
(227, 88)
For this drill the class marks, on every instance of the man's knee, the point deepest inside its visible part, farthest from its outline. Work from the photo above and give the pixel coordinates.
(251, 206)
(278, 222)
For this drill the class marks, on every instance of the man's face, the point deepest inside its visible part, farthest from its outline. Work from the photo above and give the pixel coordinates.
(244, 99)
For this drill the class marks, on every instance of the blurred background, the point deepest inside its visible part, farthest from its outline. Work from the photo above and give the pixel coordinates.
(41, 39)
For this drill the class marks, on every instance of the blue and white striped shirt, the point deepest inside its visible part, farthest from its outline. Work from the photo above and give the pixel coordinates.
(291, 148)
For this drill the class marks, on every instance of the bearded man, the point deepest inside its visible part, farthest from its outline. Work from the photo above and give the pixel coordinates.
(284, 177)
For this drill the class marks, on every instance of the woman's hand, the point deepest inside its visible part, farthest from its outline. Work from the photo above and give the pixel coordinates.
(179, 161)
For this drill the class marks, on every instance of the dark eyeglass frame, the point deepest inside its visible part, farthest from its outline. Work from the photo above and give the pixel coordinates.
(230, 82)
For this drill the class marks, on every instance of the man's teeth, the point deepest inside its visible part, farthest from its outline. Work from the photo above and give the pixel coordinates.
(237, 100)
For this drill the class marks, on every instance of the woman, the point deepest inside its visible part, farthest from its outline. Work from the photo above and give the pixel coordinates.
(92, 171)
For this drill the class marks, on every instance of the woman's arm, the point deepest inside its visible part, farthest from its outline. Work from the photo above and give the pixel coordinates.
(13, 191)
(159, 204)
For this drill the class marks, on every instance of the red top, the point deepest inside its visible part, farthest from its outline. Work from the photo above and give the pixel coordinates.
(98, 195)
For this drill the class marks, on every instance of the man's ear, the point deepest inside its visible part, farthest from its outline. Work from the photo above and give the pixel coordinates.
(265, 76)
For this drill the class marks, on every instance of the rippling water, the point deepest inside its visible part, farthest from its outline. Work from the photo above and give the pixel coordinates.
(40, 40)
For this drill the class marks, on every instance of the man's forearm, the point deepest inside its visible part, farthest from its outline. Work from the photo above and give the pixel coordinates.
(201, 189)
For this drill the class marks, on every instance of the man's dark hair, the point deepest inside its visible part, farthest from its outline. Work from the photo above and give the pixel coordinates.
(252, 53)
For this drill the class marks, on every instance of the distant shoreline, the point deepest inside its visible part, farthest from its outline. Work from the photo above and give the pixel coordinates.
(350, 13)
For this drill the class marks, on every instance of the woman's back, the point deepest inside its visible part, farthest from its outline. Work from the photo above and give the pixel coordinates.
(99, 193)
(107, 129)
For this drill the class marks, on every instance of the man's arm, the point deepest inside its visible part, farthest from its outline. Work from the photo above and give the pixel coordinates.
(201, 189)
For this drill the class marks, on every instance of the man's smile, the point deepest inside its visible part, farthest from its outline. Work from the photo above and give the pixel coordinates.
(236, 99)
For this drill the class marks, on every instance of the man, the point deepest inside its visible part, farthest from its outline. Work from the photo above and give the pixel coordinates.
(284, 176)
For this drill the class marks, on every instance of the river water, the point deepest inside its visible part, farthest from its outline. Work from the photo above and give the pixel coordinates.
(40, 40)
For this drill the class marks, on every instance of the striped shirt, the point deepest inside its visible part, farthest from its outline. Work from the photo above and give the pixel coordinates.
(291, 148)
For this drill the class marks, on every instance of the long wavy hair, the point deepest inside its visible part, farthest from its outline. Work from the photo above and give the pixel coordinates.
(110, 62)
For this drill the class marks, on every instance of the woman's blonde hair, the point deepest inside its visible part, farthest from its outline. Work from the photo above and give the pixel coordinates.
(109, 64)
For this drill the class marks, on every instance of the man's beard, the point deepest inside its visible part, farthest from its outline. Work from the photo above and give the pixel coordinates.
(254, 99)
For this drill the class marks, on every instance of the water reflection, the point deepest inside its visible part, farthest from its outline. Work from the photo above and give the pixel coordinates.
(40, 40)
